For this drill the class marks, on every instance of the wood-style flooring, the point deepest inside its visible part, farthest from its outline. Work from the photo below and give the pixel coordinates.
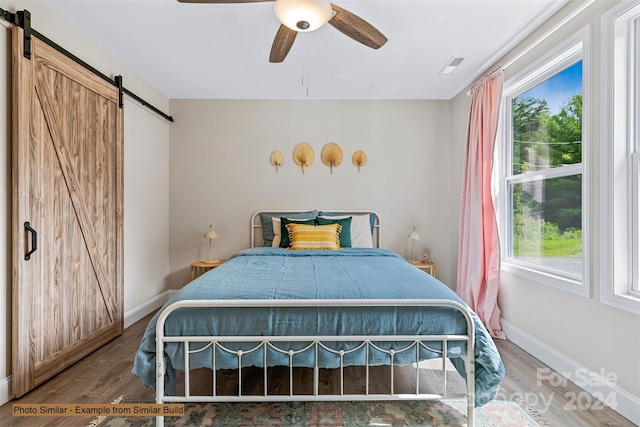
(106, 374)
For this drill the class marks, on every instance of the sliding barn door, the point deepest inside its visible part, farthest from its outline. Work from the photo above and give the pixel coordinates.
(67, 213)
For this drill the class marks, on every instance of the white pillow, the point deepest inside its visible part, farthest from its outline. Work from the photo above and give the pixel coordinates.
(277, 236)
(361, 236)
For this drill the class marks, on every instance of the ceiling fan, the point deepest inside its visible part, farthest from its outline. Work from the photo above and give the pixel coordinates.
(309, 15)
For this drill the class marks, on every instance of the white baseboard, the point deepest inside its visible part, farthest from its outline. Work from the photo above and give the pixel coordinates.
(147, 307)
(593, 383)
(130, 317)
(5, 390)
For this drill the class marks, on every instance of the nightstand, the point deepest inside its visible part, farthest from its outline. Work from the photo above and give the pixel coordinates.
(200, 267)
(427, 267)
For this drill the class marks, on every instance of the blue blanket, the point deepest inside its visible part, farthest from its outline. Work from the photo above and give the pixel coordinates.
(275, 273)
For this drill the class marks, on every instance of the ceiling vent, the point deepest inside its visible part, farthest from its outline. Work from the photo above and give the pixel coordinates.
(451, 65)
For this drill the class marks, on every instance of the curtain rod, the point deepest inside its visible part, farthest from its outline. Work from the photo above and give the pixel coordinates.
(23, 20)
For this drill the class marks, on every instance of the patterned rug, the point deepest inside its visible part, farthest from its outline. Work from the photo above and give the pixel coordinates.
(396, 413)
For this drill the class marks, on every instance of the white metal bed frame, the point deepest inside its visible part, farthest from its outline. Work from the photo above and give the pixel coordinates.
(315, 343)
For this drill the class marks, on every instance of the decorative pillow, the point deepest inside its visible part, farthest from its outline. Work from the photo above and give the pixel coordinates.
(280, 230)
(267, 227)
(284, 232)
(345, 234)
(361, 236)
(327, 214)
(277, 232)
(314, 236)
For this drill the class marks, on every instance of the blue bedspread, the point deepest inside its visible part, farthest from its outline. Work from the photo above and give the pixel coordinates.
(275, 273)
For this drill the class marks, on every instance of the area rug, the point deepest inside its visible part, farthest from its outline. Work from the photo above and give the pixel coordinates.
(334, 414)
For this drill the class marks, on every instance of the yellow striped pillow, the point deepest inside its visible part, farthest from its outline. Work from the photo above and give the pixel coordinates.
(305, 236)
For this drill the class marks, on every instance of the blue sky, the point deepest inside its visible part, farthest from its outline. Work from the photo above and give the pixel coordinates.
(558, 89)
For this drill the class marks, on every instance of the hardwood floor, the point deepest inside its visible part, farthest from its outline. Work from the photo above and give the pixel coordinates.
(106, 374)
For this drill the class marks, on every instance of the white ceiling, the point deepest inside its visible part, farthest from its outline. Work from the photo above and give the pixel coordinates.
(221, 51)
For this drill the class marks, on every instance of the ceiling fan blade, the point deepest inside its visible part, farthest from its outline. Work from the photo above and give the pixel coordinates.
(223, 1)
(357, 28)
(282, 43)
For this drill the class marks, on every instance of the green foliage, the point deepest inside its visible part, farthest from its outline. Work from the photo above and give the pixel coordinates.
(549, 211)
(528, 228)
(566, 127)
(537, 237)
(541, 140)
(530, 116)
(563, 201)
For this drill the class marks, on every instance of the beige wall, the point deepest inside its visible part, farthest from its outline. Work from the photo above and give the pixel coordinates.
(220, 171)
(590, 333)
(146, 204)
(459, 108)
(146, 172)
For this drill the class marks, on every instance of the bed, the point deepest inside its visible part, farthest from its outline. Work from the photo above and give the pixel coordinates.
(320, 310)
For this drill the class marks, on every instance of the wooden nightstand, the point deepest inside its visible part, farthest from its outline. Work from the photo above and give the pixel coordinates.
(200, 267)
(427, 267)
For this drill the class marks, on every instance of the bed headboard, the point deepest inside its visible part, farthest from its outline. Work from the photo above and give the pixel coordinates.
(256, 224)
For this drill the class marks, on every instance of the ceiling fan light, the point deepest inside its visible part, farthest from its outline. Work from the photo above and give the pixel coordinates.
(303, 15)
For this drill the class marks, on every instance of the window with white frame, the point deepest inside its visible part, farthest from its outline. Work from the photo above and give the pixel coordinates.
(620, 160)
(542, 145)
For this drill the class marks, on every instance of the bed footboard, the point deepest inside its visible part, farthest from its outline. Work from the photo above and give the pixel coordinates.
(315, 344)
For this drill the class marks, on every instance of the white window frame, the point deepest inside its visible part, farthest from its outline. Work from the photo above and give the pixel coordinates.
(620, 157)
(572, 50)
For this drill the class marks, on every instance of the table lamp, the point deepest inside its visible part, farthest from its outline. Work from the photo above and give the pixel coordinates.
(210, 234)
(414, 235)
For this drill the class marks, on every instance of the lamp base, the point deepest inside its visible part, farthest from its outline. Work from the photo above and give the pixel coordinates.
(211, 261)
(415, 261)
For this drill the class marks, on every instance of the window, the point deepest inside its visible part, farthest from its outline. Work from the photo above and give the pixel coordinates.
(620, 160)
(542, 197)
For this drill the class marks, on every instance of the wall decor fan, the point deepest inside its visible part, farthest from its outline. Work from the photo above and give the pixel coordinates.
(331, 155)
(303, 155)
(309, 15)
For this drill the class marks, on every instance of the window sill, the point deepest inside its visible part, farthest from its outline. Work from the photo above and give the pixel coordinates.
(574, 286)
(626, 302)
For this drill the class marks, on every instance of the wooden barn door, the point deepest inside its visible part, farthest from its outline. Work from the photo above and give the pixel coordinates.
(67, 211)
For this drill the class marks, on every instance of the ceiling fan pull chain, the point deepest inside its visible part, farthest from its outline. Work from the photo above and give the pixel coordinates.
(306, 44)
(304, 65)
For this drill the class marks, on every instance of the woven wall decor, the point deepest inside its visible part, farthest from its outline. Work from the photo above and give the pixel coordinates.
(331, 155)
(359, 159)
(303, 155)
(276, 159)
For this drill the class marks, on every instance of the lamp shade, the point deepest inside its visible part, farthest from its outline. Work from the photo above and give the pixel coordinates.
(303, 15)
(413, 234)
(210, 234)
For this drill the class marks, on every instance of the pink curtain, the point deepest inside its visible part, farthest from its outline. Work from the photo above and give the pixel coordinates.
(479, 247)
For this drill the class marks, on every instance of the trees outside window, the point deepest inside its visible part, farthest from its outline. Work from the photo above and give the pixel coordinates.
(546, 210)
(542, 145)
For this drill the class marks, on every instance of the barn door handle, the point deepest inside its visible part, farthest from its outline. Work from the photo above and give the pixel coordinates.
(34, 240)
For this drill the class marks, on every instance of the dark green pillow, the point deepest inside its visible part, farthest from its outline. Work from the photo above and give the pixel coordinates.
(284, 232)
(345, 234)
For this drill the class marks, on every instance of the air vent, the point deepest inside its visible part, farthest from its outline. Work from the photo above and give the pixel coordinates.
(451, 65)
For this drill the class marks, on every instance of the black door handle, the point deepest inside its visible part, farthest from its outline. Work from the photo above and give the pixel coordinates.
(34, 241)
